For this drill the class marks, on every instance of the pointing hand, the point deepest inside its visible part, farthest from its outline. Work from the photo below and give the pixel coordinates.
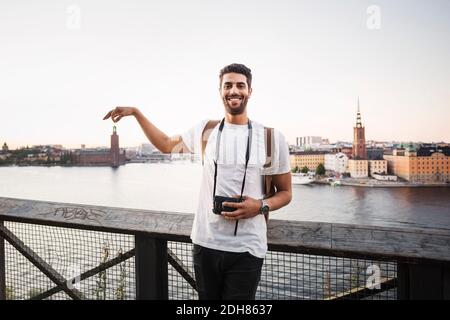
(119, 112)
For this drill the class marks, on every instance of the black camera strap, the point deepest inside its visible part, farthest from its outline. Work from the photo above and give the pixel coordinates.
(247, 158)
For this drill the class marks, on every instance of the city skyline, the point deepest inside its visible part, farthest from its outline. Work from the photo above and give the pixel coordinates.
(65, 64)
(331, 141)
(358, 131)
(84, 145)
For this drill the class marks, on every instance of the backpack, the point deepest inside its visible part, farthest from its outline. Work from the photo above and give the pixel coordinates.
(268, 187)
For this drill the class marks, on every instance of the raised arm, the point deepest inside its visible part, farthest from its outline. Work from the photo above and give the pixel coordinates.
(159, 139)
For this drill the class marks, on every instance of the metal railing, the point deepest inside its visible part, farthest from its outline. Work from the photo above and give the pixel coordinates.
(60, 251)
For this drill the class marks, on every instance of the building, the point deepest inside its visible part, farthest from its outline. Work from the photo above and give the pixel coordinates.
(308, 142)
(442, 144)
(309, 159)
(359, 138)
(146, 149)
(100, 157)
(337, 162)
(325, 147)
(358, 165)
(348, 151)
(429, 163)
(377, 167)
(91, 157)
(375, 153)
(358, 168)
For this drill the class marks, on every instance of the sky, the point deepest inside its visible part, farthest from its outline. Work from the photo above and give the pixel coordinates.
(65, 64)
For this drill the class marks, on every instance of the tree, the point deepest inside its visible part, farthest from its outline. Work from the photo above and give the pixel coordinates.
(294, 170)
(305, 169)
(5, 147)
(65, 158)
(320, 170)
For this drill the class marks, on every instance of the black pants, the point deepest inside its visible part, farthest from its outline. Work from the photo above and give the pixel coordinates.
(226, 275)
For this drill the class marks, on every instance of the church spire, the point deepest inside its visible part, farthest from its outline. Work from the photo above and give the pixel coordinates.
(359, 138)
(358, 117)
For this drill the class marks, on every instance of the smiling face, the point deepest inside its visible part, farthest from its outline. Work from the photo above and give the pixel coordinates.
(235, 92)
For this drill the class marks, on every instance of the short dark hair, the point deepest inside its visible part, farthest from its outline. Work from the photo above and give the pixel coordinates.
(237, 68)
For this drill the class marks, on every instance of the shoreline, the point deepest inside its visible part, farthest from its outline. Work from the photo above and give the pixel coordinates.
(386, 185)
(368, 183)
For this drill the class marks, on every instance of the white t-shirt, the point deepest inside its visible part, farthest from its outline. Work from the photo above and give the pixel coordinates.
(213, 230)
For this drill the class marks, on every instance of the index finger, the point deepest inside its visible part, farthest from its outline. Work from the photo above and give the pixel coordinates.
(107, 115)
(232, 204)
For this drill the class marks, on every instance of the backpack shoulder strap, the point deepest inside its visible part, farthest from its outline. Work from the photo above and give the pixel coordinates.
(268, 142)
(210, 125)
(268, 186)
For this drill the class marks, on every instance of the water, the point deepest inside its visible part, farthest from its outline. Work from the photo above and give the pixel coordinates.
(175, 187)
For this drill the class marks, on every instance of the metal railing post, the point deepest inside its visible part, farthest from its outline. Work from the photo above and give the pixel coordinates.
(2, 267)
(152, 280)
(423, 281)
(402, 281)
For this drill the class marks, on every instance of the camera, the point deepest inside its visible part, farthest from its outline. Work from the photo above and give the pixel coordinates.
(218, 204)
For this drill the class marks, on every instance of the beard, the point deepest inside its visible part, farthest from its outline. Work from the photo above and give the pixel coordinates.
(235, 110)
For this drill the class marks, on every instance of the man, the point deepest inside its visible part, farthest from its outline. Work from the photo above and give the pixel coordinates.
(229, 246)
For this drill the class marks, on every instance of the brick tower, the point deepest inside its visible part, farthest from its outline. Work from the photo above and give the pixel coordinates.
(115, 151)
(359, 138)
